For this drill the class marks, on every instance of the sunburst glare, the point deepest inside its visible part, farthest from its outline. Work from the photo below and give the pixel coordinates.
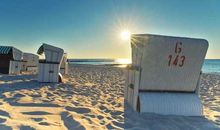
(125, 35)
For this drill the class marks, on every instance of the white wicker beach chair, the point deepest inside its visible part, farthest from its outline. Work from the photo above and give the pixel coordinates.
(164, 75)
(30, 62)
(50, 67)
(10, 60)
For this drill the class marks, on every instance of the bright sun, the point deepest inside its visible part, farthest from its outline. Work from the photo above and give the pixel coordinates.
(125, 35)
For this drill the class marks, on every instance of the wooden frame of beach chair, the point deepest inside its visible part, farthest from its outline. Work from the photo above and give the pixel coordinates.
(10, 62)
(50, 67)
(30, 62)
(165, 74)
(64, 65)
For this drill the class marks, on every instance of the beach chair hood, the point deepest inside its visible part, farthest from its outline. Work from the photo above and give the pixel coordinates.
(17, 54)
(29, 56)
(52, 53)
(31, 59)
(7, 50)
(168, 63)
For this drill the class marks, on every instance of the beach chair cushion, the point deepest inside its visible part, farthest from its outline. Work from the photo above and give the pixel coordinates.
(168, 63)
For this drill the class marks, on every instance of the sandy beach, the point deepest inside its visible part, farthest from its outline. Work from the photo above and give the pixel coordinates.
(92, 97)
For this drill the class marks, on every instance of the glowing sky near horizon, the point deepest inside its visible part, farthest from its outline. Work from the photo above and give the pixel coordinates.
(93, 28)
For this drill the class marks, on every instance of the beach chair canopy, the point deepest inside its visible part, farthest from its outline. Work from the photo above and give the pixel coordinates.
(168, 63)
(8, 50)
(52, 53)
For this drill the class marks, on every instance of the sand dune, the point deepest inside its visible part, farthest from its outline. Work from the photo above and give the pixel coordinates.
(91, 97)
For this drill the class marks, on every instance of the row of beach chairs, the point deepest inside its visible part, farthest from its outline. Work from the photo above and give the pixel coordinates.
(163, 78)
(50, 69)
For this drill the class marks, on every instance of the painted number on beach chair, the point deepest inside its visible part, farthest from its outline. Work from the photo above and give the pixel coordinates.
(177, 60)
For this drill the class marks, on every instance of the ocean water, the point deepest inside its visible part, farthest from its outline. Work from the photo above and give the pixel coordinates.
(209, 66)
(93, 61)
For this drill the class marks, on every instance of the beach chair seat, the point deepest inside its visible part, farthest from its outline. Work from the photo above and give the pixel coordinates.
(165, 74)
(50, 67)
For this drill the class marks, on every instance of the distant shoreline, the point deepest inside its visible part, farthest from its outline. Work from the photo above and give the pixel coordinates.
(209, 66)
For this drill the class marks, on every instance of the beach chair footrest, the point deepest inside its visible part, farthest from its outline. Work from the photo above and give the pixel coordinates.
(187, 104)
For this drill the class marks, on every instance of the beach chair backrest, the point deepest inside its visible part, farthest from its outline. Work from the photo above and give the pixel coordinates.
(30, 59)
(14, 52)
(168, 63)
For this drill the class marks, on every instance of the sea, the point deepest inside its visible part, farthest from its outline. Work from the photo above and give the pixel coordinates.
(209, 65)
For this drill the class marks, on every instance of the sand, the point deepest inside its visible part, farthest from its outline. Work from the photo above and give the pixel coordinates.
(210, 95)
(92, 97)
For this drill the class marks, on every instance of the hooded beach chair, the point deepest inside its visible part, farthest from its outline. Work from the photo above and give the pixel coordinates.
(10, 60)
(30, 62)
(50, 67)
(64, 65)
(164, 75)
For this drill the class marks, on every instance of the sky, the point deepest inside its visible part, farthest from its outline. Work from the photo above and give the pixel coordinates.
(92, 28)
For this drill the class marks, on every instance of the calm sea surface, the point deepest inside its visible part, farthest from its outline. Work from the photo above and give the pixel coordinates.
(209, 66)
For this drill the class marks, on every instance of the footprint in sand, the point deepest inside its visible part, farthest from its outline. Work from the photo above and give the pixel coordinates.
(35, 95)
(90, 115)
(100, 117)
(70, 123)
(44, 123)
(18, 95)
(37, 119)
(105, 109)
(118, 105)
(4, 113)
(217, 116)
(121, 125)
(94, 103)
(26, 128)
(110, 127)
(217, 123)
(49, 95)
(88, 119)
(113, 103)
(2, 120)
(115, 113)
(217, 120)
(78, 109)
(37, 113)
(75, 103)
(102, 122)
(4, 127)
